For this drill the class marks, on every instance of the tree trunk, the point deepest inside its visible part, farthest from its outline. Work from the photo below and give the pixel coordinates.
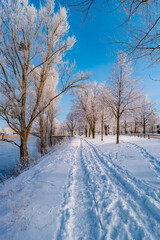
(45, 138)
(72, 132)
(86, 131)
(51, 139)
(93, 131)
(144, 126)
(41, 125)
(89, 134)
(42, 142)
(135, 127)
(102, 129)
(24, 156)
(106, 129)
(118, 129)
(50, 135)
(125, 126)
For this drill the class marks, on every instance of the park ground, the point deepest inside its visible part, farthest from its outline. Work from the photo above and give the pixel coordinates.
(86, 189)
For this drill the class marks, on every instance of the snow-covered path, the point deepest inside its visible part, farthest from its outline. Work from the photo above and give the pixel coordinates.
(29, 204)
(106, 202)
(87, 190)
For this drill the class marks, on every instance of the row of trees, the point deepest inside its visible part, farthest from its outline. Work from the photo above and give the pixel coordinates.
(142, 28)
(33, 74)
(33, 43)
(120, 102)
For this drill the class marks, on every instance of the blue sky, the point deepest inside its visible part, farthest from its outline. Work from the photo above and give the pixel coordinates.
(93, 52)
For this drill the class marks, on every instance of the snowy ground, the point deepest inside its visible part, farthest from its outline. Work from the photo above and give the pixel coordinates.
(89, 190)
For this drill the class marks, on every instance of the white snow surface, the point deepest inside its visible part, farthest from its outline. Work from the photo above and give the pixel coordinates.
(86, 190)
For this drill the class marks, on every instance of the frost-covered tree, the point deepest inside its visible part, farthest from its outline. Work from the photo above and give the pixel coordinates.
(52, 113)
(93, 108)
(71, 122)
(154, 119)
(147, 109)
(80, 109)
(130, 6)
(32, 42)
(105, 114)
(81, 122)
(86, 102)
(123, 90)
(46, 117)
(135, 116)
(126, 121)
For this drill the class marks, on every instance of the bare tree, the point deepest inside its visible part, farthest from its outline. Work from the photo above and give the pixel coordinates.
(71, 122)
(52, 113)
(32, 42)
(147, 110)
(86, 102)
(81, 121)
(129, 6)
(153, 122)
(45, 117)
(43, 127)
(123, 90)
(125, 121)
(104, 109)
(82, 104)
(43, 130)
(135, 116)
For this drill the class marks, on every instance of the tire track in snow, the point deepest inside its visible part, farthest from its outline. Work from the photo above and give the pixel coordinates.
(111, 203)
(78, 212)
(102, 201)
(154, 163)
(134, 199)
(142, 184)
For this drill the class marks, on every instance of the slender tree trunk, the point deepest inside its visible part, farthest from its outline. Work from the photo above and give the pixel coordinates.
(50, 134)
(118, 129)
(144, 126)
(45, 138)
(102, 129)
(24, 156)
(51, 139)
(106, 130)
(86, 131)
(41, 133)
(89, 134)
(119, 104)
(72, 132)
(42, 142)
(135, 127)
(125, 126)
(93, 131)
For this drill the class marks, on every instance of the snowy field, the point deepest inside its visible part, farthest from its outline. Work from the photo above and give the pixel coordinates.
(86, 189)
